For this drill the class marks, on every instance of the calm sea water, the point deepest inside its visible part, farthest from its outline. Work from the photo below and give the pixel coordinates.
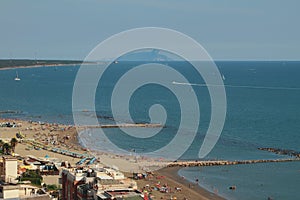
(263, 111)
(260, 181)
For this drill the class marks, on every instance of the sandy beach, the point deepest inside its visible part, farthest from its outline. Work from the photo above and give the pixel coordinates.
(38, 134)
(65, 137)
(179, 187)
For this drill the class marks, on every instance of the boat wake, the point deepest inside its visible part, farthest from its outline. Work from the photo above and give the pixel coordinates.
(237, 86)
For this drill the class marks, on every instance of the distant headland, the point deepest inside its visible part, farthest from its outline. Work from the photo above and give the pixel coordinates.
(22, 63)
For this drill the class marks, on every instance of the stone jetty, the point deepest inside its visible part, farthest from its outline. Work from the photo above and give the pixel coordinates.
(10, 111)
(295, 156)
(125, 125)
(226, 162)
(288, 152)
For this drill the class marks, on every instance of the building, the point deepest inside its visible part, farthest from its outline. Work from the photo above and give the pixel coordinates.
(88, 184)
(85, 192)
(9, 169)
(9, 191)
(70, 179)
(128, 194)
(114, 173)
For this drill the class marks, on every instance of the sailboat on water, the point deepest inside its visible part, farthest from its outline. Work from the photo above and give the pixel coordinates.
(17, 77)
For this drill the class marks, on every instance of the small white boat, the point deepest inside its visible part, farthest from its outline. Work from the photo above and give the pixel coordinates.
(17, 77)
(223, 77)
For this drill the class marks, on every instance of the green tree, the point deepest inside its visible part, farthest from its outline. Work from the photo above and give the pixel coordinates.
(33, 176)
(52, 187)
(6, 148)
(1, 145)
(13, 143)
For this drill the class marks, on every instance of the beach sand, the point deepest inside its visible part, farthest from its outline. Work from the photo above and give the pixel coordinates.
(169, 176)
(65, 137)
(21, 150)
(40, 132)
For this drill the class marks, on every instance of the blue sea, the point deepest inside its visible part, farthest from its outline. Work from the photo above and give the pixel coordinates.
(263, 110)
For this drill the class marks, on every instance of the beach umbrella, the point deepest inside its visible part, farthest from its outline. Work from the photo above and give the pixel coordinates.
(46, 156)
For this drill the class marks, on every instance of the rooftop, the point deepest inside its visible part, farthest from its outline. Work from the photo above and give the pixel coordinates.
(121, 194)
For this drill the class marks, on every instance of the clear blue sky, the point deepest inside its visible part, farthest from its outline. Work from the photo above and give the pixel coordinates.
(69, 29)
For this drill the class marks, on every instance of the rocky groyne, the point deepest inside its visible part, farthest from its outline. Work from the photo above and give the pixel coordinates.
(226, 162)
(287, 152)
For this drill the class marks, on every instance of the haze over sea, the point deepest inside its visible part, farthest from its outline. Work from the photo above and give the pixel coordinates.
(263, 111)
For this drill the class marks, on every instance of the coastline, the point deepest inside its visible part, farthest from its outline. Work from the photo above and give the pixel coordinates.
(172, 175)
(192, 178)
(37, 132)
(179, 187)
(36, 66)
(79, 63)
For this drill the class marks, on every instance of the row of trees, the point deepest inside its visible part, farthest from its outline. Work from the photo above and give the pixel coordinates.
(8, 148)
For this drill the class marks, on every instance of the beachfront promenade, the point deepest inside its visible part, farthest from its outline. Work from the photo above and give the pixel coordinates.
(227, 162)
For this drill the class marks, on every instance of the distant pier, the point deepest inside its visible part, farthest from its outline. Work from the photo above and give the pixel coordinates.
(125, 125)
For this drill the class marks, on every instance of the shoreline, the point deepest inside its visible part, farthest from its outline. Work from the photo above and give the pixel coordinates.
(172, 175)
(39, 131)
(178, 187)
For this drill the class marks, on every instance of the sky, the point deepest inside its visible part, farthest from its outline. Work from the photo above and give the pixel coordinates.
(228, 30)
